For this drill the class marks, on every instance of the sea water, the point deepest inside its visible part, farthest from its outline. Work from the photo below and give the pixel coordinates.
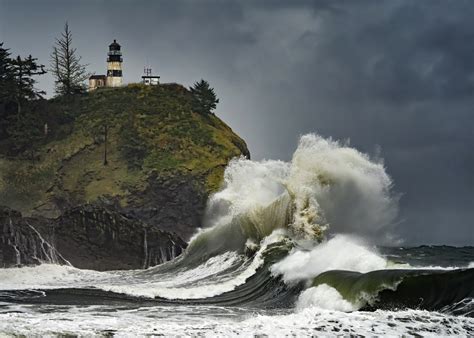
(287, 248)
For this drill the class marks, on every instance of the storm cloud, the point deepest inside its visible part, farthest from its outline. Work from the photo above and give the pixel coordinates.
(394, 77)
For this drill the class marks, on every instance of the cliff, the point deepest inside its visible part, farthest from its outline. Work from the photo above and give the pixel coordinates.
(88, 237)
(138, 151)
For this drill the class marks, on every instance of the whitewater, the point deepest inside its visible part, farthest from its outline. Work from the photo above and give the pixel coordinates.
(306, 247)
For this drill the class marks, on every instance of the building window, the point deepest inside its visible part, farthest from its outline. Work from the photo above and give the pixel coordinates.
(114, 73)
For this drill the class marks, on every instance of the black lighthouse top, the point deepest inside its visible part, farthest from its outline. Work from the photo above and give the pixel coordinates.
(114, 46)
(115, 55)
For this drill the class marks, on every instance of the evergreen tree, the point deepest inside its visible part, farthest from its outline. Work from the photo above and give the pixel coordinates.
(66, 66)
(204, 98)
(5, 74)
(23, 70)
(22, 127)
(25, 127)
(6, 89)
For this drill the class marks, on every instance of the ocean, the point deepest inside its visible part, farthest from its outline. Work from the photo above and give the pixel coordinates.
(301, 248)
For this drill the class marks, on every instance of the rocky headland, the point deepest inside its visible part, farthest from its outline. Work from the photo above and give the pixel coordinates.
(119, 180)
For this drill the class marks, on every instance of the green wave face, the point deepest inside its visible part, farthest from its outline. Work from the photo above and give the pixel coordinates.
(233, 236)
(397, 289)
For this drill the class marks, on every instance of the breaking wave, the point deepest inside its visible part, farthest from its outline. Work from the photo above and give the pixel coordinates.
(297, 234)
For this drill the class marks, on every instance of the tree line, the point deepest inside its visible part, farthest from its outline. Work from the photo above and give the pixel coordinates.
(20, 122)
(21, 125)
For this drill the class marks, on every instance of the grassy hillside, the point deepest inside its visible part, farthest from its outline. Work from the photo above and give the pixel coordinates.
(151, 133)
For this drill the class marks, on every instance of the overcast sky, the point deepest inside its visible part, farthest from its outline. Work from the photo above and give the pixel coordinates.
(395, 76)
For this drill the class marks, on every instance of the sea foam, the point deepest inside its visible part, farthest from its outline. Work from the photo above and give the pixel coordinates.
(339, 253)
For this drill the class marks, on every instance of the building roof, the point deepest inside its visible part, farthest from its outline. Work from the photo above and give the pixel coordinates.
(114, 45)
(97, 77)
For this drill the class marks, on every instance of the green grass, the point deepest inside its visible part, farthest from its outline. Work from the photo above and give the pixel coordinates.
(171, 138)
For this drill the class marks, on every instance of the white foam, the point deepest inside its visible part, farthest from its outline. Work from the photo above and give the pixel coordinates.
(343, 187)
(48, 276)
(135, 283)
(324, 297)
(248, 185)
(314, 321)
(211, 267)
(201, 287)
(339, 253)
(209, 321)
(328, 181)
(201, 282)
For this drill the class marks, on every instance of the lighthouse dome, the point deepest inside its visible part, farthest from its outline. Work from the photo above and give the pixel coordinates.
(114, 46)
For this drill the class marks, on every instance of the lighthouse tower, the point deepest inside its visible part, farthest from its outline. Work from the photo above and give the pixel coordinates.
(114, 65)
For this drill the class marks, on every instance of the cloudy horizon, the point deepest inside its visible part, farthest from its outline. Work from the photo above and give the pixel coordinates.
(395, 77)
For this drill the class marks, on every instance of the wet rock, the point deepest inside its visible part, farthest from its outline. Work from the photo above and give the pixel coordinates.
(87, 237)
(175, 204)
(21, 243)
(112, 240)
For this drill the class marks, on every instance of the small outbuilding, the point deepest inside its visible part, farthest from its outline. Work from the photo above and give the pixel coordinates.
(150, 80)
(97, 81)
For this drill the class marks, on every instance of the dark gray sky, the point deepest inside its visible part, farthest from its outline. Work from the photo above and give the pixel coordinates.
(391, 75)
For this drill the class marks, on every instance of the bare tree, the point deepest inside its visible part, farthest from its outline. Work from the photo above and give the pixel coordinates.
(66, 66)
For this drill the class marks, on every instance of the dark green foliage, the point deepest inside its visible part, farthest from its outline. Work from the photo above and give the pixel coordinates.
(6, 74)
(25, 129)
(69, 73)
(204, 99)
(25, 133)
(19, 124)
(132, 146)
(23, 70)
(6, 85)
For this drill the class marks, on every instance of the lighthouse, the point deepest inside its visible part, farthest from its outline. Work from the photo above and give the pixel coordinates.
(114, 65)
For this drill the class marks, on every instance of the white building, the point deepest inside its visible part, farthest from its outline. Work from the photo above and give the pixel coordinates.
(114, 70)
(114, 65)
(148, 79)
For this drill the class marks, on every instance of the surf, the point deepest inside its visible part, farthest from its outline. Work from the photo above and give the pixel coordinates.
(298, 236)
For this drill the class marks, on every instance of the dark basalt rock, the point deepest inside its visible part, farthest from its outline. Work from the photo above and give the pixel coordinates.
(95, 237)
(176, 204)
(21, 243)
(87, 237)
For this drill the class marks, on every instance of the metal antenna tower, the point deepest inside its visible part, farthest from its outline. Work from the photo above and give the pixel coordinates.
(147, 70)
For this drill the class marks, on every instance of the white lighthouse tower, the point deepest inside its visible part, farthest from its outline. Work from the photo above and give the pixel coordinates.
(114, 65)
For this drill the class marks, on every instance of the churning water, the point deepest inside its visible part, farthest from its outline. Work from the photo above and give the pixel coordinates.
(286, 248)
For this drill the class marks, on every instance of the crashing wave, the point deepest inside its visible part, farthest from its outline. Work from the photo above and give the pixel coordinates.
(277, 234)
(327, 187)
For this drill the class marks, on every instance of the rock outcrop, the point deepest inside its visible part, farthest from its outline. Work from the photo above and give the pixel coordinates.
(22, 244)
(87, 237)
(177, 204)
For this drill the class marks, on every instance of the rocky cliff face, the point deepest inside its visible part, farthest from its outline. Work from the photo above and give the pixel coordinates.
(87, 237)
(177, 204)
(21, 243)
(163, 161)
